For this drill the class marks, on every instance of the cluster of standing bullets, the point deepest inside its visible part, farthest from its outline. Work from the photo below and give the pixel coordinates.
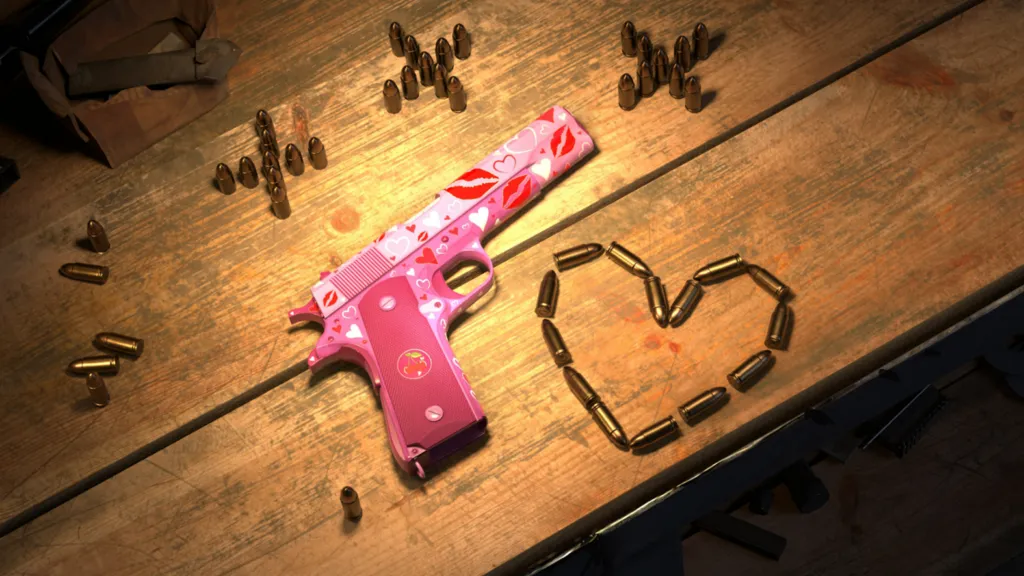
(431, 73)
(271, 154)
(94, 367)
(90, 272)
(705, 403)
(653, 67)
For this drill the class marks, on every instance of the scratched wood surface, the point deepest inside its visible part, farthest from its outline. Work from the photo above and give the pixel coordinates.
(876, 213)
(206, 279)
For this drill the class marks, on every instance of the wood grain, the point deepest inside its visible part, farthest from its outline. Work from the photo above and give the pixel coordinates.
(206, 279)
(878, 215)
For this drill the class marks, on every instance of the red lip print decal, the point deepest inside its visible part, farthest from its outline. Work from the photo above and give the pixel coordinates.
(427, 257)
(422, 237)
(516, 192)
(548, 116)
(454, 231)
(411, 227)
(562, 142)
(472, 184)
(331, 298)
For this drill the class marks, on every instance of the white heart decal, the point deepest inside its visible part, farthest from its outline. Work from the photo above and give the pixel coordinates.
(528, 144)
(479, 218)
(561, 116)
(349, 312)
(543, 129)
(410, 272)
(542, 168)
(464, 226)
(397, 246)
(442, 249)
(506, 164)
(433, 220)
(443, 323)
(431, 316)
(583, 150)
(423, 283)
(354, 332)
(454, 206)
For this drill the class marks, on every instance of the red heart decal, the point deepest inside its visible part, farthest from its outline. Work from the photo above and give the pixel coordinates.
(447, 217)
(516, 192)
(411, 228)
(444, 238)
(548, 116)
(562, 142)
(454, 231)
(336, 328)
(491, 201)
(312, 307)
(427, 257)
(365, 341)
(392, 257)
(424, 297)
(422, 237)
(472, 184)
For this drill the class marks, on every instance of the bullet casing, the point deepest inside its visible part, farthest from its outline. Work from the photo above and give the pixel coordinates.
(395, 39)
(691, 92)
(317, 151)
(609, 425)
(247, 174)
(392, 98)
(225, 179)
(270, 161)
(463, 42)
(268, 143)
(440, 81)
(779, 327)
(263, 120)
(279, 202)
(581, 389)
(97, 390)
(410, 87)
(752, 369)
(577, 256)
(628, 261)
(685, 303)
(628, 39)
(656, 301)
(456, 95)
(293, 159)
(445, 54)
(701, 42)
(120, 343)
(547, 298)
(105, 364)
(682, 53)
(720, 269)
(275, 179)
(675, 82)
(412, 51)
(426, 69)
(644, 49)
(656, 433)
(556, 346)
(627, 93)
(661, 67)
(350, 503)
(645, 77)
(703, 405)
(769, 282)
(85, 272)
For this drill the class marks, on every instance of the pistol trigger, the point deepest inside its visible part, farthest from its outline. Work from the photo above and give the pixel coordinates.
(308, 313)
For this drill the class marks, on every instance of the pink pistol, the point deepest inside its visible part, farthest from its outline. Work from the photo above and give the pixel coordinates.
(388, 308)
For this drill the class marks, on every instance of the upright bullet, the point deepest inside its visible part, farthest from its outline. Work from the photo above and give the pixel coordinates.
(703, 405)
(656, 301)
(556, 346)
(779, 327)
(769, 282)
(275, 178)
(444, 53)
(270, 161)
(693, 97)
(645, 77)
(350, 503)
(547, 296)
(440, 81)
(247, 174)
(628, 39)
(392, 97)
(103, 364)
(412, 51)
(685, 303)
(97, 237)
(317, 152)
(263, 120)
(720, 269)
(627, 92)
(463, 43)
(85, 272)
(225, 180)
(268, 141)
(395, 39)
(577, 256)
(661, 67)
(120, 343)
(97, 390)
(410, 87)
(426, 69)
(293, 159)
(644, 49)
(675, 82)
(655, 435)
(598, 411)
(752, 369)
(456, 95)
(700, 41)
(279, 202)
(628, 261)
(682, 53)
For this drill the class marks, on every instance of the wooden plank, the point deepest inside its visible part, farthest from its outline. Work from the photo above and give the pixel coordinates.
(206, 279)
(878, 215)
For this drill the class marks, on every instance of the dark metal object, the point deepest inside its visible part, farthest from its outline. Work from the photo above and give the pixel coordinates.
(426, 69)
(770, 283)
(628, 39)
(106, 364)
(456, 95)
(293, 159)
(97, 390)
(97, 237)
(444, 53)
(392, 97)
(412, 51)
(807, 490)
(752, 369)
(225, 179)
(682, 53)
(627, 93)
(463, 42)
(247, 174)
(761, 500)
(440, 81)
(85, 272)
(675, 81)
(661, 68)
(577, 256)
(208, 61)
(656, 434)
(902, 431)
(685, 303)
(350, 503)
(778, 328)
(270, 161)
(598, 411)
(703, 405)
(263, 120)
(691, 88)
(120, 343)
(657, 303)
(279, 202)
(556, 346)
(268, 143)
(644, 49)
(8, 173)
(628, 261)
(275, 178)
(395, 39)
(410, 87)
(317, 151)
(547, 297)
(720, 269)
(700, 41)
(645, 78)
(743, 533)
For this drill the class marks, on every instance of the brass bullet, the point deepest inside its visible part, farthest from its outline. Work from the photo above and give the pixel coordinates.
(392, 97)
(97, 390)
(581, 389)
(270, 161)
(410, 87)
(627, 92)
(628, 261)
(656, 300)
(720, 269)
(691, 89)
(645, 77)
(463, 42)
(661, 67)
(456, 95)
(547, 298)
(577, 256)
(395, 38)
(644, 49)
(225, 179)
(444, 53)
(752, 369)
(85, 272)
(682, 53)
(350, 503)
(555, 344)
(268, 141)
(703, 405)
(700, 41)
(293, 159)
(440, 81)
(426, 69)
(779, 327)
(275, 178)
(120, 343)
(769, 282)
(675, 81)
(685, 303)
(279, 202)
(655, 434)
(628, 39)
(317, 152)
(263, 120)
(97, 237)
(412, 51)
(583, 392)
(247, 174)
(106, 364)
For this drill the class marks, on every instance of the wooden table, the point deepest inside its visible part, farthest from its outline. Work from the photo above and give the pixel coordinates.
(870, 154)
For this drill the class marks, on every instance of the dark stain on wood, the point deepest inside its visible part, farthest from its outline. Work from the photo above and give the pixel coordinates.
(345, 219)
(300, 124)
(911, 68)
(1006, 115)
(652, 342)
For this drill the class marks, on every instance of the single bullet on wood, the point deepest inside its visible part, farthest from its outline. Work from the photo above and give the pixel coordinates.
(293, 159)
(692, 94)
(97, 390)
(751, 370)
(275, 178)
(426, 69)
(317, 151)
(661, 68)
(628, 261)
(350, 503)
(263, 120)
(655, 434)
(270, 161)
(701, 41)
(410, 87)
(463, 42)
(412, 51)
(547, 296)
(456, 95)
(685, 303)
(225, 179)
(279, 202)
(395, 39)
(577, 256)
(628, 39)
(247, 174)
(556, 346)
(656, 300)
(97, 237)
(267, 141)
(779, 327)
(392, 97)
(645, 77)
(675, 82)
(604, 418)
(120, 343)
(683, 54)
(769, 282)
(105, 364)
(721, 269)
(627, 92)
(445, 54)
(440, 81)
(85, 272)
(644, 49)
(703, 405)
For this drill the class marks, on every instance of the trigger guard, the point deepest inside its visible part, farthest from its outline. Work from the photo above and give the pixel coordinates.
(461, 300)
